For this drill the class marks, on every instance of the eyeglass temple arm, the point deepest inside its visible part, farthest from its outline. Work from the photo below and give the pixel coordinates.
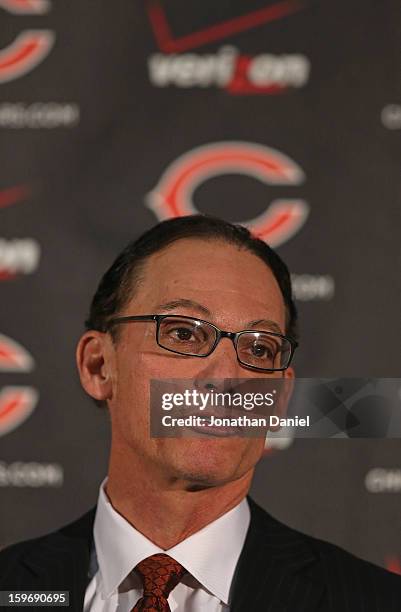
(127, 319)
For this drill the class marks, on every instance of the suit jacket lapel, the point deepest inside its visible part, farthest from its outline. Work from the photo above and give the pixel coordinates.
(277, 571)
(61, 561)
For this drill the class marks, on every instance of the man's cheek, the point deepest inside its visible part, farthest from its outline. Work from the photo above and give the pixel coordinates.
(157, 366)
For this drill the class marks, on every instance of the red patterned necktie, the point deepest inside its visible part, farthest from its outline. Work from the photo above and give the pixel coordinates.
(160, 574)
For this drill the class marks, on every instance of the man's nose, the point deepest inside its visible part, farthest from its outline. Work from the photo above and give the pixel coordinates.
(221, 364)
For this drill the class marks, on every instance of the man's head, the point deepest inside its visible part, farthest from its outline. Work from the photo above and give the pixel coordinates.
(122, 279)
(196, 266)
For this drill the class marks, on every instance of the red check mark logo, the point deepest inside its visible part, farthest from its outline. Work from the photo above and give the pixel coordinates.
(25, 7)
(12, 195)
(168, 44)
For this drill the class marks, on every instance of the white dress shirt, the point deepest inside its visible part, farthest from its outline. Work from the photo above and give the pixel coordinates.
(210, 556)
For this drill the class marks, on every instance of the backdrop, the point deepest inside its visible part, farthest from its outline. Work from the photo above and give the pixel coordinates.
(283, 115)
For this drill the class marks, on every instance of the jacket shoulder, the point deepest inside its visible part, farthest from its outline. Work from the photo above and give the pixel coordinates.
(325, 551)
(44, 550)
(350, 582)
(340, 561)
(11, 555)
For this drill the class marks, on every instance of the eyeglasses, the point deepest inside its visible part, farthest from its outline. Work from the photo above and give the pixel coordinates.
(260, 350)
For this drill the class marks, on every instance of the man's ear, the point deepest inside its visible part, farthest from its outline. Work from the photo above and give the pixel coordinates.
(287, 387)
(94, 364)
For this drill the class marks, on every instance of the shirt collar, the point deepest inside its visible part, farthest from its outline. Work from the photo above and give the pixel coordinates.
(210, 555)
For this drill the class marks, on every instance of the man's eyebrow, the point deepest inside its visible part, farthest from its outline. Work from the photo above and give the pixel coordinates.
(184, 303)
(271, 324)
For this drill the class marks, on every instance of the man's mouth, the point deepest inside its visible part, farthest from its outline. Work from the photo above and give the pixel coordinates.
(211, 424)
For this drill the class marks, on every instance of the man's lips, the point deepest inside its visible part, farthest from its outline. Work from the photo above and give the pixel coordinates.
(201, 419)
(215, 430)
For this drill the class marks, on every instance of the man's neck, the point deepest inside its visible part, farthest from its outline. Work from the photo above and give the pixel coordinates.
(167, 514)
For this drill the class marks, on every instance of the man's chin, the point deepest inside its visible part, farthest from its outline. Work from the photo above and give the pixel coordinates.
(211, 462)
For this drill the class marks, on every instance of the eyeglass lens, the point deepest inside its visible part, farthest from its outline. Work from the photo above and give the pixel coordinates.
(186, 336)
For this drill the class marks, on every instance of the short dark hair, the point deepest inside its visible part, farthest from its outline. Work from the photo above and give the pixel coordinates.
(119, 282)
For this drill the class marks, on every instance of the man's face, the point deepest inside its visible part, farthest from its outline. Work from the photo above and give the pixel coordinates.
(228, 287)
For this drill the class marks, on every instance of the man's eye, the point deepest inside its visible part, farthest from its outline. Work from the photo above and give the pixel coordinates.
(262, 351)
(182, 333)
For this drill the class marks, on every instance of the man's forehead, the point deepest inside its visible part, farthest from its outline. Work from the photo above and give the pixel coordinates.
(196, 263)
(208, 257)
(231, 283)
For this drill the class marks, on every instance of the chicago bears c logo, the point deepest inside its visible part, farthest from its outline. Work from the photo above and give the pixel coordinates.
(30, 47)
(16, 403)
(172, 196)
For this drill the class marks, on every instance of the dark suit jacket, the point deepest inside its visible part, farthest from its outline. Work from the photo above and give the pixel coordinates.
(279, 570)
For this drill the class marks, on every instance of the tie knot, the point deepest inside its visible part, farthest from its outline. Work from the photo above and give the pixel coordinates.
(160, 574)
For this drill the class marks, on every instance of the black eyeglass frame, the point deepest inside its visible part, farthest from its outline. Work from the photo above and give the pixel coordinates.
(220, 333)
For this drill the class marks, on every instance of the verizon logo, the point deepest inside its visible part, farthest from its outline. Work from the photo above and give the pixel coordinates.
(228, 69)
(18, 256)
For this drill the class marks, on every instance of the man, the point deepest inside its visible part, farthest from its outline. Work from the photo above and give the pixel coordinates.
(173, 528)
